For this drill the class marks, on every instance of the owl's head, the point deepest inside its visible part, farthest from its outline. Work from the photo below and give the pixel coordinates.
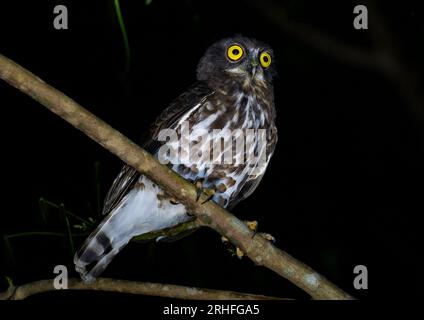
(243, 59)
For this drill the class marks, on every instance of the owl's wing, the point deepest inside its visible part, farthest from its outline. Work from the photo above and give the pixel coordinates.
(253, 182)
(123, 183)
(187, 103)
(193, 97)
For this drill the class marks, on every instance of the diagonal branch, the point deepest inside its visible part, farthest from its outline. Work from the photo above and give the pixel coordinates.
(258, 249)
(133, 287)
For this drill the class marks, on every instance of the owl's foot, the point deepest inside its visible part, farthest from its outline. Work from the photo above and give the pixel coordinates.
(235, 251)
(210, 193)
(252, 225)
(200, 189)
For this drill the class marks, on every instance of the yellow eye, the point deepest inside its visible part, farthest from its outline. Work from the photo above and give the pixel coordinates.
(265, 59)
(235, 52)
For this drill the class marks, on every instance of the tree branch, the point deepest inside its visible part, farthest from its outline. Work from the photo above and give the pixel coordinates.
(132, 287)
(260, 250)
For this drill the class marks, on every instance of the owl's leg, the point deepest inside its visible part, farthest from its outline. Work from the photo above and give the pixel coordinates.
(199, 190)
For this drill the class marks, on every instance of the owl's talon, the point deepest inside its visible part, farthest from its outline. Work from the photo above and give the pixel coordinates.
(173, 201)
(235, 251)
(252, 225)
(239, 253)
(210, 193)
(199, 188)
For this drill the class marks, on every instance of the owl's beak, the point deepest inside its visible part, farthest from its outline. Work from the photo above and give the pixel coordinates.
(253, 66)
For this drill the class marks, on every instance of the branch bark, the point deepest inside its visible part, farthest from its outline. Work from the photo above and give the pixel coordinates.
(133, 287)
(258, 249)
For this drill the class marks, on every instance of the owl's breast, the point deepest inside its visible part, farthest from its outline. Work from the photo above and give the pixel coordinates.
(223, 144)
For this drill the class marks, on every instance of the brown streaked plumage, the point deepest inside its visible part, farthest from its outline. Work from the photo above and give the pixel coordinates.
(234, 91)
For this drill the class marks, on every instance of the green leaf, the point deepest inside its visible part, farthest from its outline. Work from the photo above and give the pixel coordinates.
(124, 33)
(9, 281)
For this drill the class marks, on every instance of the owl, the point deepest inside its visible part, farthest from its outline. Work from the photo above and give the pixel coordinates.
(233, 95)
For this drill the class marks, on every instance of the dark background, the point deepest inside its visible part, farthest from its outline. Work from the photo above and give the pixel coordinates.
(345, 186)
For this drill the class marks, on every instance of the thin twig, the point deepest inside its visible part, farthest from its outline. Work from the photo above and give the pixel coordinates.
(132, 287)
(257, 248)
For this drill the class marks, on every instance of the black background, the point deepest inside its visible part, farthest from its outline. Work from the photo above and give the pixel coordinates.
(344, 188)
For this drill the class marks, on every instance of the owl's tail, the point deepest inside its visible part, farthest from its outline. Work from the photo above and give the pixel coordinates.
(104, 243)
(139, 212)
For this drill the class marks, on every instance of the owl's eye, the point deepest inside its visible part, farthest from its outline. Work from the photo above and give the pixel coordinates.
(235, 52)
(265, 59)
